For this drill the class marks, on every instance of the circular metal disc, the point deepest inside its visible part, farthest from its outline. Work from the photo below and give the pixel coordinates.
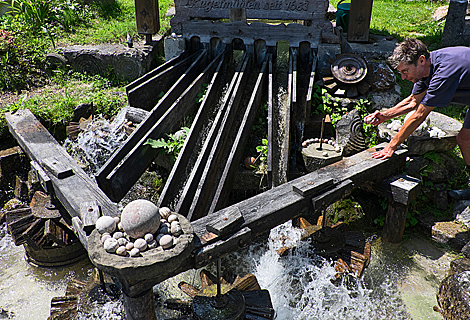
(349, 68)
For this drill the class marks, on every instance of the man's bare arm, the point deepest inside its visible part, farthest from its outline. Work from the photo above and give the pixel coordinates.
(406, 105)
(406, 130)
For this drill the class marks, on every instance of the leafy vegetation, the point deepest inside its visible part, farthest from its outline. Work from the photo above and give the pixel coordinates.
(172, 145)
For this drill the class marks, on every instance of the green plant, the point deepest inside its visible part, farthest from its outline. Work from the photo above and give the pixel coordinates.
(172, 145)
(263, 151)
(200, 96)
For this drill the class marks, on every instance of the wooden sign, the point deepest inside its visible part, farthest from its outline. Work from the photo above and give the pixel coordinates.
(147, 16)
(359, 20)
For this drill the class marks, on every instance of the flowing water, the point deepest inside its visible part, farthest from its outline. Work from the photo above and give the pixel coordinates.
(394, 286)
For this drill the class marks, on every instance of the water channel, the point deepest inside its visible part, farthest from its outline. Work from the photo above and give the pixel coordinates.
(396, 285)
(401, 281)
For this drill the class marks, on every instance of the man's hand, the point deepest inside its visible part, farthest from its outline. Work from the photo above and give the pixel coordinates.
(385, 153)
(375, 118)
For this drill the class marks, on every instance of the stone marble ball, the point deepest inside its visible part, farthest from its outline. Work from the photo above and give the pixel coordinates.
(140, 217)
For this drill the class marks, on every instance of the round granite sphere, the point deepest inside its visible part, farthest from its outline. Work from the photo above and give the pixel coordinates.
(140, 217)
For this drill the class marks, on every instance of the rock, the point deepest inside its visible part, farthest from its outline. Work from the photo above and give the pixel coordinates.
(166, 241)
(172, 218)
(140, 217)
(13, 204)
(152, 244)
(121, 251)
(148, 237)
(120, 226)
(118, 235)
(111, 245)
(464, 216)
(383, 77)
(134, 252)
(466, 250)
(140, 244)
(129, 246)
(122, 241)
(105, 236)
(105, 224)
(176, 229)
(459, 265)
(117, 219)
(164, 212)
(453, 297)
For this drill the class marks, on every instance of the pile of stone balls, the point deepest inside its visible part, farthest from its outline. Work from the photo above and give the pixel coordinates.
(331, 142)
(142, 226)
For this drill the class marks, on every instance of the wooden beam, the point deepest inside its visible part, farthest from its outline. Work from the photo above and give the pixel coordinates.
(217, 155)
(224, 186)
(171, 189)
(39, 145)
(189, 189)
(131, 160)
(146, 94)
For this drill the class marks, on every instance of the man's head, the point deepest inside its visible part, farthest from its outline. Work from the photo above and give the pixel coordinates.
(410, 58)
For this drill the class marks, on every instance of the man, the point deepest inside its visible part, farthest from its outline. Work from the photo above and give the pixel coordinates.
(440, 77)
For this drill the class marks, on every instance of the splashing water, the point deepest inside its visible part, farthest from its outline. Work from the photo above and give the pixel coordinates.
(97, 142)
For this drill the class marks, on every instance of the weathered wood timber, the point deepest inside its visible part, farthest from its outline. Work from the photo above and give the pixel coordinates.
(220, 198)
(225, 224)
(217, 154)
(145, 92)
(171, 188)
(249, 33)
(359, 20)
(114, 177)
(151, 74)
(39, 144)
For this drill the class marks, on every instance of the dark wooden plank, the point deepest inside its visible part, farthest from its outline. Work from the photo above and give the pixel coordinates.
(212, 172)
(395, 221)
(280, 204)
(311, 84)
(89, 212)
(171, 188)
(189, 190)
(146, 94)
(359, 20)
(39, 144)
(220, 198)
(226, 223)
(249, 33)
(44, 180)
(59, 169)
(149, 75)
(115, 177)
(135, 137)
(308, 188)
(222, 247)
(339, 192)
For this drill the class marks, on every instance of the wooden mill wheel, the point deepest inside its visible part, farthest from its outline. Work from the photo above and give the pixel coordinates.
(49, 241)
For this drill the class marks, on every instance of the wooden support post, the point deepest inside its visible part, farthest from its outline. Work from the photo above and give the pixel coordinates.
(456, 30)
(359, 20)
(404, 189)
(141, 307)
